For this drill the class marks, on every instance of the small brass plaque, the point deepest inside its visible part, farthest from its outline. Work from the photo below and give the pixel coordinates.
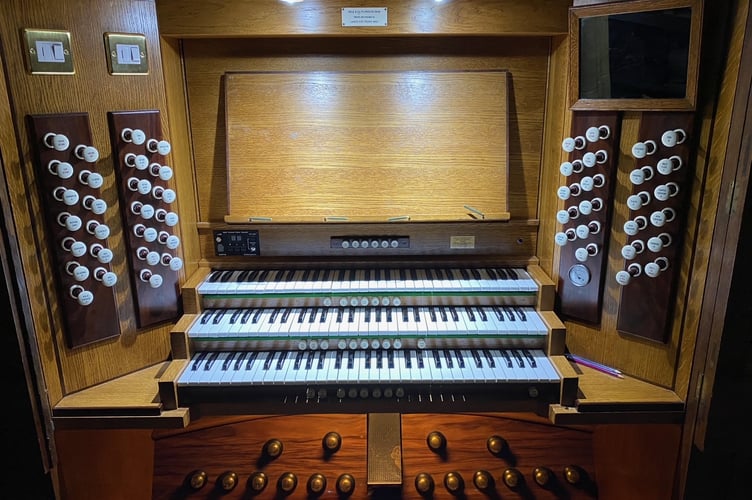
(48, 52)
(126, 54)
(462, 242)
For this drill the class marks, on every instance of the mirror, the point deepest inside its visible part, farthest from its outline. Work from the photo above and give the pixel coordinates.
(635, 55)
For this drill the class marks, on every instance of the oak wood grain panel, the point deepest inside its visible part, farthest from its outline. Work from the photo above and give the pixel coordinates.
(269, 18)
(426, 145)
(177, 129)
(556, 126)
(206, 61)
(49, 94)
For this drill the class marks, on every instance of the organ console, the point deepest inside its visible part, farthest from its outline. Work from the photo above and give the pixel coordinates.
(316, 250)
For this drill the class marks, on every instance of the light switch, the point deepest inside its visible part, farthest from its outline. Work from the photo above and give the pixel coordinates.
(48, 52)
(126, 54)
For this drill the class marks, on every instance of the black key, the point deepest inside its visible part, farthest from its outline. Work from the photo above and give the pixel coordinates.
(281, 360)
(214, 276)
(226, 276)
(476, 357)
(273, 316)
(379, 360)
(246, 315)
(453, 312)
(476, 273)
(469, 312)
(448, 359)
(303, 312)
(436, 359)
(323, 315)
(298, 360)
(509, 313)
(309, 360)
(256, 316)
(530, 358)
(350, 315)
(320, 365)
(338, 360)
(269, 360)
(368, 360)
(378, 315)
(460, 358)
(307, 275)
(390, 358)
(198, 360)
(499, 313)
(207, 315)
(210, 360)
(389, 315)
(416, 313)
(443, 314)
(502, 272)
(408, 359)
(239, 361)
(350, 360)
(312, 317)
(340, 311)
(432, 314)
(520, 313)
(518, 357)
(465, 274)
(492, 273)
(512, 273)
(234, 317)
(368, 315)
(251, 359)
(228, 361)
(419, 359)
(489, 359)
(285, 315)
(507, 358)
(405, 319)
(482, 314)
(218, 317)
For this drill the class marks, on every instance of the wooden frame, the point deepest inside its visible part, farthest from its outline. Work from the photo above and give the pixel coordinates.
(687, 103)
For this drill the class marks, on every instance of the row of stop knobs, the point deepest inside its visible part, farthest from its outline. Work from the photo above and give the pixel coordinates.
(425, 484)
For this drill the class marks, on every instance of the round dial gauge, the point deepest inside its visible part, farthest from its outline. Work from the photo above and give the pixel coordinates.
(579, 275)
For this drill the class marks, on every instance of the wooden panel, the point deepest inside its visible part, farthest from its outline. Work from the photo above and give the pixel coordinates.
(646, 303)
(92, 90)
(147, 201)
(269, 18)
(206, 61)
(587, 214)
(381, 145)
(235, 445)
(66, 163)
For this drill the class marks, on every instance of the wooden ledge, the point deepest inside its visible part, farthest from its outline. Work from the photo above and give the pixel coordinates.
(130, 401)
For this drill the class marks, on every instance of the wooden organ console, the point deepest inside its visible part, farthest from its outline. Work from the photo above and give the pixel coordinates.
(407, 250)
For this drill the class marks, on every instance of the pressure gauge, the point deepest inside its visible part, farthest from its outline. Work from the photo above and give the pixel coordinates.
(579, 275)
